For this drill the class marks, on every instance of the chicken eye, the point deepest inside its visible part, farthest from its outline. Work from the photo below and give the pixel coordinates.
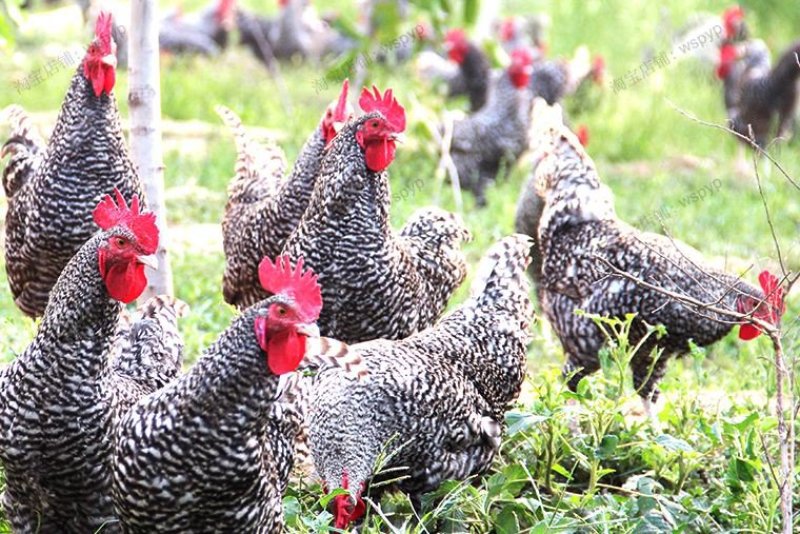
(375, 124)
(281, 311)
(120, 241)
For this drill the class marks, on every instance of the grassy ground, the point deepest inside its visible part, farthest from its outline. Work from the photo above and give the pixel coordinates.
(571, 462)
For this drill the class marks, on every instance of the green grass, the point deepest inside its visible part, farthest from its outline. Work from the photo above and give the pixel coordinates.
(571, 462)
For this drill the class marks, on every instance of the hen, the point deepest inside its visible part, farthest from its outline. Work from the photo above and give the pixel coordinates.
(474, 71)
(756, 94)
(205, 32)
(585, 247)
(376, 283)
(434, 402)
(211, 451)
(496, 136)
(52, 190)
(264, 208)
(146, 354)
(55, 413)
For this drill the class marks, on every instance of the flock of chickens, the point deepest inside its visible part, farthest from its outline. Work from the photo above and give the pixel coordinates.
(101, 429)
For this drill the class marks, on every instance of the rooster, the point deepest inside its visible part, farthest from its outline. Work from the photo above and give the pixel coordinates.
(496, 136)
(263, 208)
(211, 451)
(55, 411)
(434, 402)
(203, 33)
(52, 189)
(376, 283)
(585, 247)
(756, 94)
(147, 352)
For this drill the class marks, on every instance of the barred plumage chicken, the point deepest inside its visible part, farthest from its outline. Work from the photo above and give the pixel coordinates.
(264, 208)
(433, 403)
(376, 283)
(584, 246)
(146, 354)
(756, 94)
(52, 190)
(496, 136)
(205, 32)
(211, 451)
(55, 412)
(474, 71)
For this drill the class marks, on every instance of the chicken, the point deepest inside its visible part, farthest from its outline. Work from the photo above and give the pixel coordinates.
(55, 413)
(473, 69)
(756, 94)
(296, 32)
(496, 136)
(517, 32)
(210, 451)
(52, 190)
(205, 32)
(585, 247)
(264, 208)
(376, 283)
(433, 403)
(552, 80)
(147, 353)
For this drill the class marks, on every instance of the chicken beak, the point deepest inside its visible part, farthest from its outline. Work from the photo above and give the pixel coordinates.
(337, 125)
(150, 260)
(309, 330)
(110, 60)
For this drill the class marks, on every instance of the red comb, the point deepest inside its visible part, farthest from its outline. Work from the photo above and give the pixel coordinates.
(340, 111)
(456, 35)
(109, 214)
(102, 28)
(771, 310)
(522, 56)
(582, 134)
(731, 16)
(508, 29)
(386, 105)
(224, 9)
(279, 279)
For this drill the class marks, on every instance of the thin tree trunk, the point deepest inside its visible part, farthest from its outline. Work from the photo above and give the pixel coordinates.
(144, 101)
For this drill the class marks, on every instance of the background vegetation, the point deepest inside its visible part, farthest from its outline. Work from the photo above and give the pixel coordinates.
(584, 462)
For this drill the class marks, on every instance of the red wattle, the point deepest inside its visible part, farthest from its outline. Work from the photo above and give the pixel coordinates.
(379, 154)
(124, 281)
(748, 332)
(285, 350)
(110, 77)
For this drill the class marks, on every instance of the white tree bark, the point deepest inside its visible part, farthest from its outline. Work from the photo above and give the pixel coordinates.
(144, 99)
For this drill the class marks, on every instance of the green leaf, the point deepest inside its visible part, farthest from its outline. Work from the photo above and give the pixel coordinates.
(558, 468)
(520, 422)
(673, 444)
(506, 521)
(608, 445)
(471, 9)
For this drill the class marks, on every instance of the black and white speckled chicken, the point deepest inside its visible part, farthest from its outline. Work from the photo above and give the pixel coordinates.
(376, 283)
(474, 70)
(211, 452)
(146, 354)
(584, 247)
(205, 32)
(264, 208)
(496, 136)
(52, 190)
(434, 402)
(758, 95)
(55, 410)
